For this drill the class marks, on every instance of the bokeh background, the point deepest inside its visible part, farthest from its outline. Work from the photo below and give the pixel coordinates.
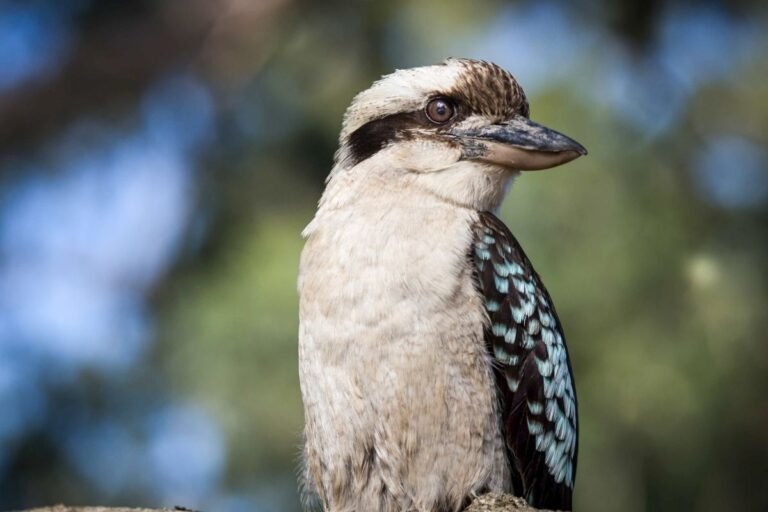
(158, 160)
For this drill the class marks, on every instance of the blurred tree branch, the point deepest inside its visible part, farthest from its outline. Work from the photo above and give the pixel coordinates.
(500, 503)
(110, 66)
(114, 61)
(64, 508)
(485, 503)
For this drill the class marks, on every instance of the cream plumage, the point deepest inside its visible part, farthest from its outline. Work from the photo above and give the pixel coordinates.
(432, 364)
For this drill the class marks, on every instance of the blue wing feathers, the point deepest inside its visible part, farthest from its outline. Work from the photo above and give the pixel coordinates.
(530, 361)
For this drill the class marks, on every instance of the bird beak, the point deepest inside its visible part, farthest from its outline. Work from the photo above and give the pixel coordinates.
(520, 144)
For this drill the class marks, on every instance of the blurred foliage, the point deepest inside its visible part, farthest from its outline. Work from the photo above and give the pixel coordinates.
(158, 160)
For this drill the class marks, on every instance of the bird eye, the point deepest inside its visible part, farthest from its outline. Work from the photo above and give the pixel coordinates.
(439, 110)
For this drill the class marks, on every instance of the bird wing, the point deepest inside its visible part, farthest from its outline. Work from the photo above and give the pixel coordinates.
(531, 365)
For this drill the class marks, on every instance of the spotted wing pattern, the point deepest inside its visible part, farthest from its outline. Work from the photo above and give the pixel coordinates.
(531, 365)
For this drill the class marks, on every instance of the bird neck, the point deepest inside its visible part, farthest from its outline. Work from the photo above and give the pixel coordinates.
(391, 203)
(461, 184)
(385, 241)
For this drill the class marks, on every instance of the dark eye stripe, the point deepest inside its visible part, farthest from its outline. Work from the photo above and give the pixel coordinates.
(367, 140)
(374, 135)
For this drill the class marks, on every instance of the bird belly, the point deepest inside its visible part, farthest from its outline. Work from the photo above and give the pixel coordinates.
(400, 401)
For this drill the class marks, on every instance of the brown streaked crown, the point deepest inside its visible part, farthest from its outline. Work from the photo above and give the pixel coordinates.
(488, 90)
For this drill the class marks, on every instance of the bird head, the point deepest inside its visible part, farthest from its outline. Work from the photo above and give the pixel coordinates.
(460, 129)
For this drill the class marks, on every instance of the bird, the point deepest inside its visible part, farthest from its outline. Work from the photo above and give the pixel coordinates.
(432, 363)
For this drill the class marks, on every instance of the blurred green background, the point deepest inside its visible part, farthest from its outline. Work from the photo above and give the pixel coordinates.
(158, 160)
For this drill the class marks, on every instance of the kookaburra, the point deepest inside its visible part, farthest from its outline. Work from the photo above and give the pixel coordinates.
(433, 366)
